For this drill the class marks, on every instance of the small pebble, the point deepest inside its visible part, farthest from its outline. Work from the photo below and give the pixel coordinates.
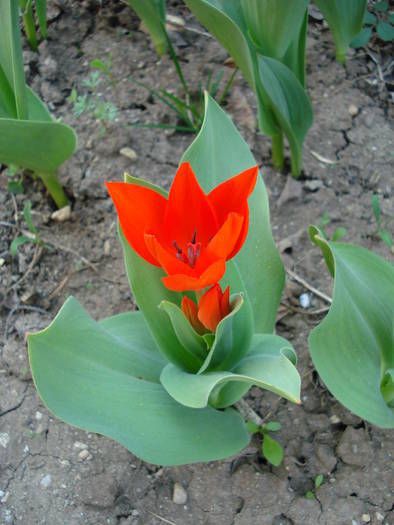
(81, 446)
(353, 110)
(305, 300)
(62, 215)
(313, 185)
(1, 494)
(179, 496)
(107, 247)
(83, 454)
(365, 518)
(46, 481)
(379, 516)
(334, 419)
(38, 415)
(129, 153)
(4, 439)
(2, 261)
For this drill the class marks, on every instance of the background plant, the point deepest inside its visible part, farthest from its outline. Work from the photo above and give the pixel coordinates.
(378, 21)
(32, 11)
(153, 15)
(29, 138)
(383, 232)
(270, 448)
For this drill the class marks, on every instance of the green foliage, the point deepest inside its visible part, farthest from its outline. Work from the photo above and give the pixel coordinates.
(338, 233)
(153, 15)
(145, 378)
(345, 19)
(380, 23)
(32, 236)
(29, 138)
(92, 101)
(383, 233)
(271, 449)
(352, 348)
(318, 483)
(29, 22)
(272, 59)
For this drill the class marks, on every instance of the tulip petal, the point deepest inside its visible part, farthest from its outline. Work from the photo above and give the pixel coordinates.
(188, 211)
(211, 275)
(139, 209)
(190, 311)
(232, 196)
(166, 259)
(223, 243)
(209, 311)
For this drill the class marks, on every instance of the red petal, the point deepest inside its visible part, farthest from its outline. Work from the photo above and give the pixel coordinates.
(166, 259)
(211, 275)
(188, 211)
(226, 238)
(232, 196)
(189, 308)
(225, 303)
(209, 308)
(139, 209)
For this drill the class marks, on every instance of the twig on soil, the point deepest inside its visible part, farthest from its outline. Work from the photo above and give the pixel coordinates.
(272, 411)
(293, 309)
(247, 412)
(161, 518)
(36, 257)
(314, 290)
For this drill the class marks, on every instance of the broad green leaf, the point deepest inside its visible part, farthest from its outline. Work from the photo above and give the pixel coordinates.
(153, 14)
(38, 112)
(272, 451)
(267, 365)
(352, 349)
(218, 153)
(224, 19)
(187, 336)
(345, 19)
(283, 93)
(272, 25)
(232, 338)
(11, 59)
(362, 38)
(105, 383)
(294, 58)
(385, 31)
(149, 291)
(38, 146)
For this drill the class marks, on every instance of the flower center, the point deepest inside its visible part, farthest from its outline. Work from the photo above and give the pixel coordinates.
(192, 251)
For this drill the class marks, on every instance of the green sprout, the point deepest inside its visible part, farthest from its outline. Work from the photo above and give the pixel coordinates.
(32, 236)
(337, 235)
(318, 483)
(271, 449)
(383, 233)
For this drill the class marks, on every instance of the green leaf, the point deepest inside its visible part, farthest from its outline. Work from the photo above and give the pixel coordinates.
(345, 19)
(272, 426)
(285, 96)
(376, 207)
(251, 427)
(386, 237)
(99, 64)
(381, 6)
(369, 18)
(27, 216)
(339, 233)
(310, 494)
(11, 60)
(153, 14)
(272, 451)
(266, 365)
(258, 265)
(352, 349)
(390, 17)
(362, 38)
(189, 339)
(149, 291)
(225, 21)
(41, 12)
(17, 242)
(38, 146)
(319, 480)
(102, 379)
(385, 31)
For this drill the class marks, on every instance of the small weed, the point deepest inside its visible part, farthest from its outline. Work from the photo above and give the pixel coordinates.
(318, 483)
(31, 236)
(383, 233)
(377, 23)
(337, 235)
(271, 449)
(92, 101)
(15, 180)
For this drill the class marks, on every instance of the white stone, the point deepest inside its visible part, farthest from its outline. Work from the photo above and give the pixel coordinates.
(4, 439)
(83, 454)
(62, 215)
(365, 518)
(179, 495)
(81, 446)
(46, 481)
(305, 300)
(129, 153)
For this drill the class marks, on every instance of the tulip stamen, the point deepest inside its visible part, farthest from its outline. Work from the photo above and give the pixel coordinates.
(193, 251)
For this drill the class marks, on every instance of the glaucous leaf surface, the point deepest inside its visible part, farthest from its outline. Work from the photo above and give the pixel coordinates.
(102, 377)
(352, 348)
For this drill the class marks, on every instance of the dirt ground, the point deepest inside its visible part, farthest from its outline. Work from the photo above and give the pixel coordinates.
(53, 474)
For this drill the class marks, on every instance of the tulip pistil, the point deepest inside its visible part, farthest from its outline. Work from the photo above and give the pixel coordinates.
(192, 253)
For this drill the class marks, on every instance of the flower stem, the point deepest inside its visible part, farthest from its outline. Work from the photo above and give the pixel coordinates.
(277, 151)
(247, 412)
(55, 189)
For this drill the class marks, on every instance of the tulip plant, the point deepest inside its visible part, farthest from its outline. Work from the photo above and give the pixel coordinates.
(29, 137)
(207, 279)
(40, 8)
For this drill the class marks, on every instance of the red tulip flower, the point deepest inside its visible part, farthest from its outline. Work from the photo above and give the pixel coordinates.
(190, 235)
(214, 305)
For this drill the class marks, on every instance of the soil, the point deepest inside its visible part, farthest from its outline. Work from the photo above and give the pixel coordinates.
(51, 473)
